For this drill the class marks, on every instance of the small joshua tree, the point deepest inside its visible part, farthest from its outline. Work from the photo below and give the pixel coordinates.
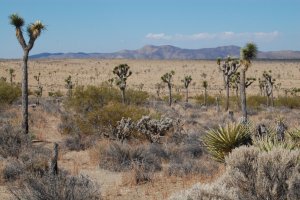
(248, 53)
(205, 85)
(269, 83)
(167, 78)
(34, 30)
(228, 68)
(12, 75)
(110, 82)
(122, 71)
(39, 92)
(159, 87)
(186, 81)
(69, 85)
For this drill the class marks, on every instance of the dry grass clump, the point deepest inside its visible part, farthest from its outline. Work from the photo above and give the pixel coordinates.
(56, 187)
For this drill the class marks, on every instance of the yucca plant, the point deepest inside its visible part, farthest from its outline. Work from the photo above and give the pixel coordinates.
(295, 137)
(221, 141)
(268, 143)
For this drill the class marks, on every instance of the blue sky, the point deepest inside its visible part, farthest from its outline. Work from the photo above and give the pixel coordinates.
(112, 25)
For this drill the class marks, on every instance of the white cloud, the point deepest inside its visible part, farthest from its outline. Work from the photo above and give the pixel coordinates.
(228, 35)
(158, 36)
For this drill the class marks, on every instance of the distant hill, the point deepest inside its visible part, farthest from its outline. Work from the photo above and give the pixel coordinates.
(170, 52)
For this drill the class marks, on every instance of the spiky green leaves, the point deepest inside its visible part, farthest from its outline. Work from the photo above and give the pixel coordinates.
(16, 20)
(249, 52)
(205, 84)
(186, 81)
(34, 30)
(122, 71)
(167, 77)
(221, 141)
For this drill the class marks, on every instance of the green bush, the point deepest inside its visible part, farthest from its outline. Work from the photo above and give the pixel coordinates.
(221, 141)
(55, 94)
(175, 97)
(135, 97)
(9, 93)
(256, 101)
(114, 112)
(210, 100)
(290, 102)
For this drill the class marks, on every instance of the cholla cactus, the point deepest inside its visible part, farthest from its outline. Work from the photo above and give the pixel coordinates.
(186, 81)
(228, 67)
(154, 129)
(167, 78)
(122, 71)
(269, 82)
(124, 128)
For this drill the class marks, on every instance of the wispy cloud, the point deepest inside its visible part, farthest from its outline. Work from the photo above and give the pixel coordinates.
(215, 36)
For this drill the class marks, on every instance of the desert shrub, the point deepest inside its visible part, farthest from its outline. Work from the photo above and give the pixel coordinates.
(9, 93)
(176, 97)
(221, 141)
(135, 97)
(56, 94)
(78, 143)
(210, 100)
(253, 174)
(264, 175)
(67, 124)
(59, 187)
(85, 99)
(159, 151)
(290, 102)
(122, 157)
(12, 170)
(256, 101)
(12, 141)
(114, 112)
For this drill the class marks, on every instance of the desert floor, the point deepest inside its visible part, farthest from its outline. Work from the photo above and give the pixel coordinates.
(147, 73)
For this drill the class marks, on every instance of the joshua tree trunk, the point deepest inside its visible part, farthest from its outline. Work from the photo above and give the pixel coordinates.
(186, 95)
(243, 94)
(227, 96)
(272, 99)
(53, 170)
(25, 93)
(205, 96)
(170, 94)
(123, 96)
(268, 101)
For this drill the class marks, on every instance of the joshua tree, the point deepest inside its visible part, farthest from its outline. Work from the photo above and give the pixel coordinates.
(269, 82)
(205, 85)
(110, 82)
(122, 71)
(235, 80)
(69, 85)
(261, 84)
(39, 92)
(248, 53)
(186, 81)
(34, 30)
(158, 87)
(167, 78)
(11, 75)
(228, 67)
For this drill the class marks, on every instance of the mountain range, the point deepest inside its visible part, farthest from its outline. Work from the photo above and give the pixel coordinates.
(171, 52)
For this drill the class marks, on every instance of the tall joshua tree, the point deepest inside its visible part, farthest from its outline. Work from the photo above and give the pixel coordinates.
(205, 85)
(34, 30)
(228, 67)
(186, 81)
(122, 71)
(167, 78)
(248, 53)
